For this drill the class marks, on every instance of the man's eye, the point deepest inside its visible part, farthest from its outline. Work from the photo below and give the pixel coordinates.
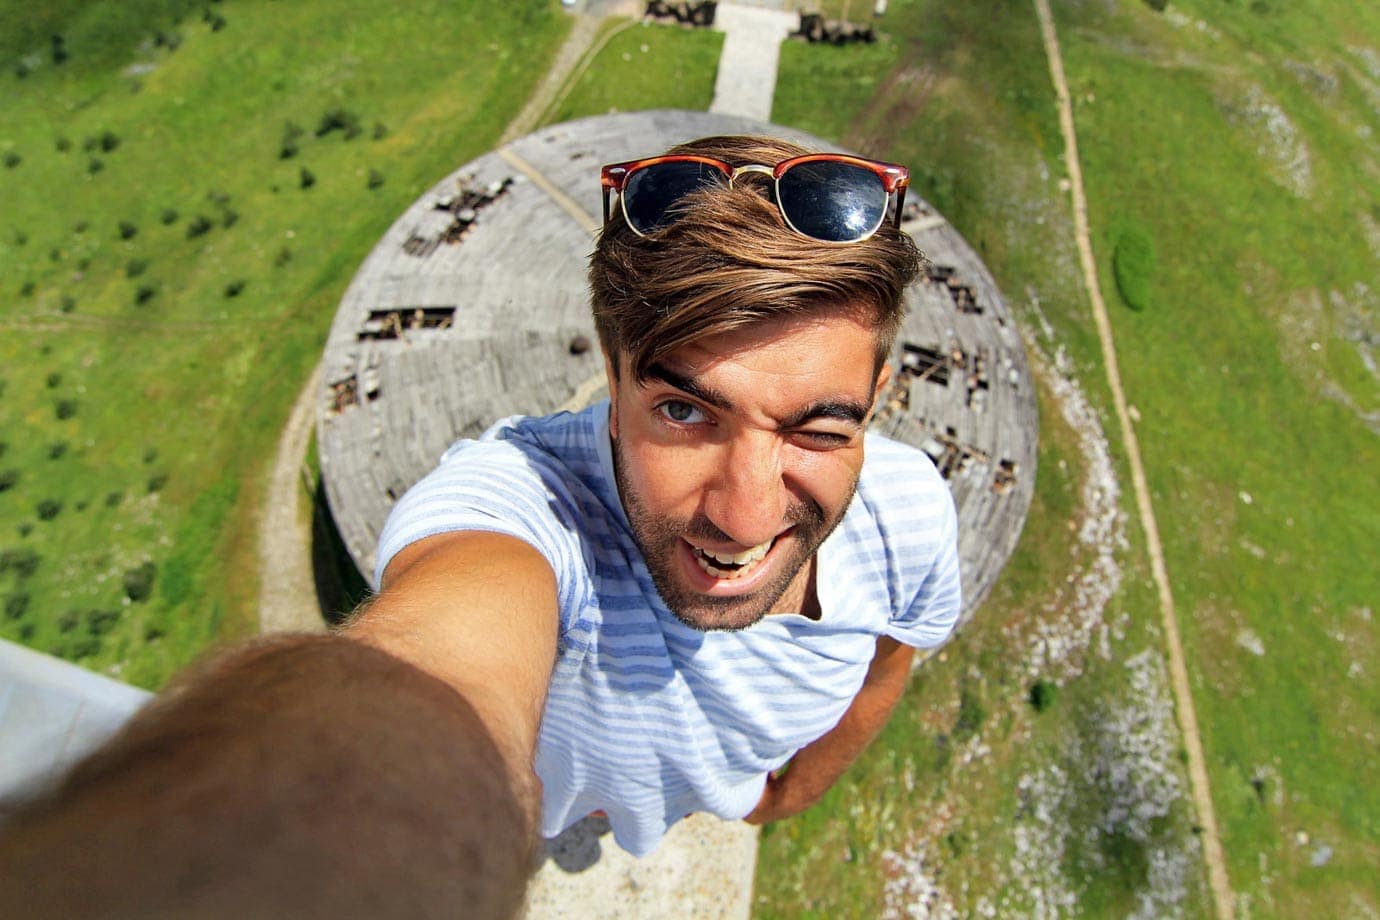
(825, 440)
(681, 412)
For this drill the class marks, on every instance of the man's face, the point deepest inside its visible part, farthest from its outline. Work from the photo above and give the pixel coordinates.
(737, 456)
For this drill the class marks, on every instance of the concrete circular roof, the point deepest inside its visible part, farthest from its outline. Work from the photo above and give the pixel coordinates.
(474, 306)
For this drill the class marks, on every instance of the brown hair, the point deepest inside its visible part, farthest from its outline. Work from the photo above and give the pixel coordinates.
(731, 262)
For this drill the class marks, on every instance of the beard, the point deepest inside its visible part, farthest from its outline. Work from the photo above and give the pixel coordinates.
(658, 537)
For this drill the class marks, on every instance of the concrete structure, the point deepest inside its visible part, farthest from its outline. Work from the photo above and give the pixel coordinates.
(473, 306)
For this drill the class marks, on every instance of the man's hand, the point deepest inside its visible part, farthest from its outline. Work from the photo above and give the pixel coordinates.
(817, 766)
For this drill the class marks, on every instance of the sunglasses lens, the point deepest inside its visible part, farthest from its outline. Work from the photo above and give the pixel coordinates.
(836, 202)
(651, 195)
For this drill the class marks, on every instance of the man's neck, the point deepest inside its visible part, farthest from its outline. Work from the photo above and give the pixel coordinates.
(801, 596)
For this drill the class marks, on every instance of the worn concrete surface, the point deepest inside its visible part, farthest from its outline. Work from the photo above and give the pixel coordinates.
(746, 80)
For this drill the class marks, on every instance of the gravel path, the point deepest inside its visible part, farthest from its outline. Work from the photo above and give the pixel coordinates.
(1178, 669)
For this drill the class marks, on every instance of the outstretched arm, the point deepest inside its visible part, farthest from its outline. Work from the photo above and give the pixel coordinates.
(365, 774)
(817, 766)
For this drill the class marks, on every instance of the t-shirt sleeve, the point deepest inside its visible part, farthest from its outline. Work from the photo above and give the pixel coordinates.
(499, 487)
(929, 618)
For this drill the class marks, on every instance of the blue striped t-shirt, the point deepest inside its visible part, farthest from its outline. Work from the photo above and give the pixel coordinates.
(648, 719)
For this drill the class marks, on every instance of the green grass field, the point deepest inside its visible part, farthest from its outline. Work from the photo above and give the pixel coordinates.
(186, 196)
(1236, 152)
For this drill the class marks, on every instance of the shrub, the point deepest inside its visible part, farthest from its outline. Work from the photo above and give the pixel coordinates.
(306, 179)
(283, 257)
(67, 304)
(197, 226)
(338, 120)
(12, 159)
(113, 498)
(216, 21)
(25, 528)
(157, 481)
(68, 620)
(94, 165)
(48, 509)
(289, 147)
(4, 446)
(65, 408)
(234, 287)
(81, 505)
(55, 254)
(375, 179)
(27, 289)
(229, 218)
(23, 562)
(26, 632)
(1042, 694)
(100, 622)
(81, 647)
(57, 450)
(380, 131)
(60, 53)
(150, 454)
(136, 267)
(80, 226)
(54, 380)
(169, 216)
(971, 714)
(16, 604)
(138, 582)
(170, 40)
(145, 293)
(154, 632)
(1157, 5)
(20, 237)
(127, 230)
(1133, 264)
(8, 479)
(109, 141)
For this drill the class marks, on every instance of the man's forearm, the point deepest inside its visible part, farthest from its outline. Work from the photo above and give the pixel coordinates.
(305, 776)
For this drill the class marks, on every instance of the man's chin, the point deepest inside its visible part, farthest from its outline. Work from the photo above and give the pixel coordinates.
(718, 614)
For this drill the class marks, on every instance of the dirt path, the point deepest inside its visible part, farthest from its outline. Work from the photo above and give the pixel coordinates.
(287, 591)
(1178, 669)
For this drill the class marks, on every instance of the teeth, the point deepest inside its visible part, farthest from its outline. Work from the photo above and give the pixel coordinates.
(742, 563)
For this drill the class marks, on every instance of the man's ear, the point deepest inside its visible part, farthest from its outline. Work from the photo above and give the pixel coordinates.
(883, 378)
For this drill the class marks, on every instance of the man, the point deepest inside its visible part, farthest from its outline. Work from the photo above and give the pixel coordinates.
(699, 595)
(704, 577)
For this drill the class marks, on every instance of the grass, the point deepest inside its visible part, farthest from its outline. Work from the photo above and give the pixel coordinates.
(179, 385)
(642, 65)
(1249, 374)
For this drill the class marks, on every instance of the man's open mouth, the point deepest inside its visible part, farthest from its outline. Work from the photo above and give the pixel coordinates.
(731, 565)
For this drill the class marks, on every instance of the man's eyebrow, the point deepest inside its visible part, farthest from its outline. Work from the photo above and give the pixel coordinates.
(689, 385)
(845, 410)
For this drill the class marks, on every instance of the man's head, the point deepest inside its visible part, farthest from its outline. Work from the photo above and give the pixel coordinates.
(744, 360)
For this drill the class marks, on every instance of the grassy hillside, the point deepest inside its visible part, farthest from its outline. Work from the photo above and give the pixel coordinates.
(1230, 160)
(187, 190)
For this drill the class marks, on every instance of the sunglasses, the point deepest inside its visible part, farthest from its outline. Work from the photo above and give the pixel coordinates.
(831, 197)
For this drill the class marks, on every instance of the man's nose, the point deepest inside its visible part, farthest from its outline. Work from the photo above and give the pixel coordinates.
(748, 498)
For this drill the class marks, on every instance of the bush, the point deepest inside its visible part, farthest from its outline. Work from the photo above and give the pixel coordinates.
(94, 165)
(306, 179)
(127, 230)
(48, 509)
(112, 499)
(154, 632)
(289, 147)
(136, 267)
(380, 131)
(197, 226)
(65, 408)
(68, 620)
(109, 141)
(1133, 264)
(20, 237)
(971, 714)
(63, 144)
(1042, 694)
(23, 562)
(234, 287)
(57, 450)
(170, 40)
(144, 294)
(8, 479)
(12, 159)
(24, 528)
(27, 289)
(67, 304)
(150, 454)
(341, 120)
(157, 481)
(283, 257)
(375, 179)
(60, 53)
(16, 604)
(54, 380)
(138, 582)
(80, 226)
(229, 218)
(100, 622)
(169, 216)
(81, 647)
